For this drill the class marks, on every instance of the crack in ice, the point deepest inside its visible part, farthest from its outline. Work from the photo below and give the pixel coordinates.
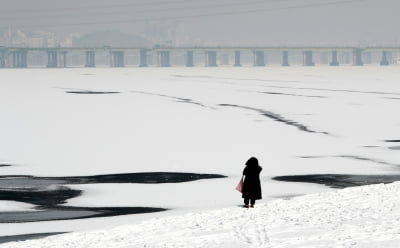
(177, 99)
(276, 117)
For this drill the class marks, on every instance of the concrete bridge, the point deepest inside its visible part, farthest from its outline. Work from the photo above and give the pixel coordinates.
(18, 57)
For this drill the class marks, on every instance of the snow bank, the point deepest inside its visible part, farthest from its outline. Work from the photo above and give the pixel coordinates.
(367, 216)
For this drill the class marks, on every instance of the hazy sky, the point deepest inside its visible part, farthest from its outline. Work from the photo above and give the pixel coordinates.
(218, 22)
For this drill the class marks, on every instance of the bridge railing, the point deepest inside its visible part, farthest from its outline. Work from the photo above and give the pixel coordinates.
(17, 57)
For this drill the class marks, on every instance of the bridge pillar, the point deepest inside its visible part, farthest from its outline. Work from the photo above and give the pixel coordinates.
(62, 59)
(24, 59)
(143, 58)
(164, 59)
(259, 58)
(357, 57)
(237, 58)
(384, 60)
(189, 59)
(211, 58)
(308, 58)
(52, 59)
(14, 57)
(2, 55)
(368, 58)
(19, 59)
(2, 61)
(4, 58)
(389, 57)
(334, 61)
(90, 59)
(117, 59)
(285, 58)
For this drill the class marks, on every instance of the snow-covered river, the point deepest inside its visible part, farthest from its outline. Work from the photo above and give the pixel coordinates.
(84, 122)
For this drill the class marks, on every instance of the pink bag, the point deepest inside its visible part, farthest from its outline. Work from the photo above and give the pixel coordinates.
(239, 187)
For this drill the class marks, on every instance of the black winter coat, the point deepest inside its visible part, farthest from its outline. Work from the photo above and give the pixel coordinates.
(251, 184)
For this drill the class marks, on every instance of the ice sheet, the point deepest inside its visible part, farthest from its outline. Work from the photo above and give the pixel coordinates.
(205, 120)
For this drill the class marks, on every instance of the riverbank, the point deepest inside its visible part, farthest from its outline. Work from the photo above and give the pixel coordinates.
(366, 216)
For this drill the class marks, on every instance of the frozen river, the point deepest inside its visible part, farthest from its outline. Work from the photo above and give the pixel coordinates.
(62, 126)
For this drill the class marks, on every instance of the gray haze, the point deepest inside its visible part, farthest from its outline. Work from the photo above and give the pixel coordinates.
(215, 22)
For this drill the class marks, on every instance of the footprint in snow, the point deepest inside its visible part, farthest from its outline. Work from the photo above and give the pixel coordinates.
(254, 234)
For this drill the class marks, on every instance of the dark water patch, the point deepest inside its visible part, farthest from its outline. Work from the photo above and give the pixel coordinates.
(177, 99)
(71, 213)
(276, 117)
(339, 181)
(392, 141)
(145, 177)
(287, 94)
(394, 147)
(311, 157)
(91, 92)
(50, 191)
(28, 182)
(140, 177)
(86, 91)
(24, 237)
(39, 196)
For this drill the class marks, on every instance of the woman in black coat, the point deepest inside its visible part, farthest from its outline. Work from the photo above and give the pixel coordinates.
(251, 186)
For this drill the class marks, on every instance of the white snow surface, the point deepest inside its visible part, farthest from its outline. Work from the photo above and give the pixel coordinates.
(148, 127)
(185, 120)
(367, 216)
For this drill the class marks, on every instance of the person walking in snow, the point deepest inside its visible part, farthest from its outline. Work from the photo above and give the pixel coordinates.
(251, 186)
